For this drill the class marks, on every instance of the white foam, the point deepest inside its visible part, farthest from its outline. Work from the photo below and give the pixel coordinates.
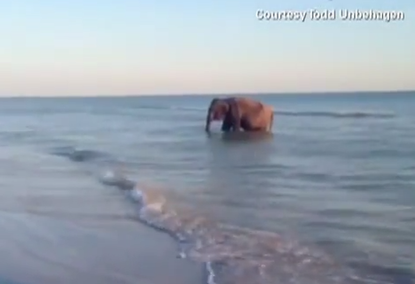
(211, 273)
(226, 243)
(157, 206)
(109, 175)
(137, 195)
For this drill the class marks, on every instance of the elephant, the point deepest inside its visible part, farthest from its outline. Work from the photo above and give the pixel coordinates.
(238, 113)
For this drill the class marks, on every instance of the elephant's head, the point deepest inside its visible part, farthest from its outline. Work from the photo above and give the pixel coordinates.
(217, 111)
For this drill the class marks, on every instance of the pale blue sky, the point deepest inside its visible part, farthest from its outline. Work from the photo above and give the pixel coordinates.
(103, 47)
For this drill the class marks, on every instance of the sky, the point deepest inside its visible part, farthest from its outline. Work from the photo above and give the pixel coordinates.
(134, 47)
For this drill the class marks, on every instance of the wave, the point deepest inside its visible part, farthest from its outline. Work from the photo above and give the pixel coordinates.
(78, 155)
(231, 254)
(158, 107)
(334, 114)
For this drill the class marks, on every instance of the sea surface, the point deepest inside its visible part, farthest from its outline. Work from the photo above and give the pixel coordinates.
(328, 197)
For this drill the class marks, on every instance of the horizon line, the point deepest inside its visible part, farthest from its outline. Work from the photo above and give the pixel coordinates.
(372, 92)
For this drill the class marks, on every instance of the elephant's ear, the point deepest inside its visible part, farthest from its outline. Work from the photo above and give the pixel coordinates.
(235, 114)
(213, 102)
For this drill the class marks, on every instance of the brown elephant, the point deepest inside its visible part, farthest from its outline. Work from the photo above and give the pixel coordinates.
(239, 113)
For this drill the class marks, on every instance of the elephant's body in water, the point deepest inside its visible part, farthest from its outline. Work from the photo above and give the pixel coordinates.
(237, 113)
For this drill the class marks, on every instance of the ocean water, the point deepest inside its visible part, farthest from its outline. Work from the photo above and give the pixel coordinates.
(329, 197)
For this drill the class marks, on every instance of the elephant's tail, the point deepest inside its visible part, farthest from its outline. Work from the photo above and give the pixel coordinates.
(272, 121)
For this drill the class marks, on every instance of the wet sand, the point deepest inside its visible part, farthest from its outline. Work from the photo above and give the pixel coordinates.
(43, 250)
(60, 226)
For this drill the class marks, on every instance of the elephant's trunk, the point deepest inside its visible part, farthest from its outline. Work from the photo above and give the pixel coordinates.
(208, 120)
(209, 113)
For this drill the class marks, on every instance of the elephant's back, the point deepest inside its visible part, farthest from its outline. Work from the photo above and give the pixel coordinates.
(249, 105)
(268, 109)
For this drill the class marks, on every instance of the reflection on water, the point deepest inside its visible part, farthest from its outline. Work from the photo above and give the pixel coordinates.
(247, 136)
(240, 177)
(242, 136)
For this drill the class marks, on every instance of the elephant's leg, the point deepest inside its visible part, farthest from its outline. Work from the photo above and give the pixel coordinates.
(245, 125)
(227, 124)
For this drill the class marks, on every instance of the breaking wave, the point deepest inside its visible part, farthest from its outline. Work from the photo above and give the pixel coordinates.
(231, 254)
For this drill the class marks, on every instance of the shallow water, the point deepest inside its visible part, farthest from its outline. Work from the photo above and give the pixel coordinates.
(328, 198)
